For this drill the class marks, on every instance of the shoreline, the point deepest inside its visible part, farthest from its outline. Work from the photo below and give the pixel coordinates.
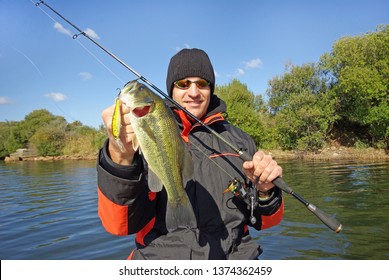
(329, 154)
(10, 159)
(334, 153)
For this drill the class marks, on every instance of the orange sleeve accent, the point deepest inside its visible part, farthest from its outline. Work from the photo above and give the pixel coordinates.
(114, 217)
(274, 219)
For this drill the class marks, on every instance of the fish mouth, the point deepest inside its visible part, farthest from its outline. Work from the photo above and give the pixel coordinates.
(141, 111)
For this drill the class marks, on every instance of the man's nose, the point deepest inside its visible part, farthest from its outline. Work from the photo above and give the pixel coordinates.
(193, 90)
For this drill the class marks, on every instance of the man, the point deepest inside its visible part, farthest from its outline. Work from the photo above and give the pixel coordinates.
(127, 206)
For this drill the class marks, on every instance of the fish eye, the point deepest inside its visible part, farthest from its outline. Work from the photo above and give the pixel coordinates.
(141, 87)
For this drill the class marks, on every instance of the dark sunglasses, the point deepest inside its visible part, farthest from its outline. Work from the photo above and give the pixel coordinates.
(185, 84)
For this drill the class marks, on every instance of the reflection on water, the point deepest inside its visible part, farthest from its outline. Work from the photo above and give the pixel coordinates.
(357, 194)
(49, 211)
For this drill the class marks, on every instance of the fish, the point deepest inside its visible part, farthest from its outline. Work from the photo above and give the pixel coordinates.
(158, 138)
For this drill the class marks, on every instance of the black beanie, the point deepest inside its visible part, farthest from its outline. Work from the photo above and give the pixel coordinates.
(189, 63)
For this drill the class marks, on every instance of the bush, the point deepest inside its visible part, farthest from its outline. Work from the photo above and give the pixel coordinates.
(49, 140)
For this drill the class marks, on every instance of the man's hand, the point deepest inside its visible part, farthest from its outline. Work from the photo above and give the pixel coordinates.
(126, 155)
(262, 170)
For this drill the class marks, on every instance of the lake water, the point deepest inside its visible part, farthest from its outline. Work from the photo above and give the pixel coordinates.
(48, 210)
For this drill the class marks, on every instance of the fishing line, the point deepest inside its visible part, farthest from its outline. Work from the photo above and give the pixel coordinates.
(211, 159)
(247, 194)
(328, 220)
(75, 37)
(105, 66)
(42, 76)
(30, 60)
(243, 155)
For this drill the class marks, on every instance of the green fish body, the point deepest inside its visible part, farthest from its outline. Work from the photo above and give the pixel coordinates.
(158, 137)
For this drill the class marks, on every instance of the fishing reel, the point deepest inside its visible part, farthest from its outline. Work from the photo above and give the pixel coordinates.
(247, 194)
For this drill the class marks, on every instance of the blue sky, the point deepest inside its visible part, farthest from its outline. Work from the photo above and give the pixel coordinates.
(42, 67)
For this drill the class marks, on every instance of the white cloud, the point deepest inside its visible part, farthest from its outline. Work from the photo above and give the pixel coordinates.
(4, 100)
(62, 29)
(85, 76)
(254, 63)
(247, 65)
(91, 33)
(56, 96)
(240, 72)
(186, 46)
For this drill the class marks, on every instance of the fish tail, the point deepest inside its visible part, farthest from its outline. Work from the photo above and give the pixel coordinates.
(180, 216)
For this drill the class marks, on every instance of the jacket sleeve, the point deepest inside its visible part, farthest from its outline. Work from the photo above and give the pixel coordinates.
(270, 212)
(125, 203)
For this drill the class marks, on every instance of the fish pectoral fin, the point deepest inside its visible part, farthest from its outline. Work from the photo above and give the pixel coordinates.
(155, 184)
(149, 131)
(180, 216)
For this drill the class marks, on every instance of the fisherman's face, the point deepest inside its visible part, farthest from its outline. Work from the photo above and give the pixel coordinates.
(193, 97)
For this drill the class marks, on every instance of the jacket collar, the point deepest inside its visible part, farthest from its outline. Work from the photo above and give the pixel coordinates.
(214, 114)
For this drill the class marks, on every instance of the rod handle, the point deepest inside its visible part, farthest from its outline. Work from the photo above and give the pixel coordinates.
(328, 220)
(280, 183)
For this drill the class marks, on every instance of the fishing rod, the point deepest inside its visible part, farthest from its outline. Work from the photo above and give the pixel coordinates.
(328, 220)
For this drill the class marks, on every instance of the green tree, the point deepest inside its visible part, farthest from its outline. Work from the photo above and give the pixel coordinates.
(10, 138)
(302, 106)
(81, 139)
(359, 71)
(242, 109)
(49, 140)
(36, 120)
(51, 135)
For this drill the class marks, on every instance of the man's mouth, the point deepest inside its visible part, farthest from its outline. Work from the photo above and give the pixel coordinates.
(193, 102)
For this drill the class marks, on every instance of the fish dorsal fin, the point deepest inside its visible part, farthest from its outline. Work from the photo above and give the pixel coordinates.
(155, 184)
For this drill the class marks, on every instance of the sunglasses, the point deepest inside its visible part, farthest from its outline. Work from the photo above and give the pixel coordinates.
(185, 84)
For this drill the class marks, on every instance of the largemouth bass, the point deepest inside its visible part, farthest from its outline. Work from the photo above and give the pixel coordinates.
(158, 137)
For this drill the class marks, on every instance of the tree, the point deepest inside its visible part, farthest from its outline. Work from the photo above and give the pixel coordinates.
(10, 138)
(359, 70)
(82, 140)
(49, 139)
(302, 106)
(242, 108)
(36, 120)
(51, 135)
